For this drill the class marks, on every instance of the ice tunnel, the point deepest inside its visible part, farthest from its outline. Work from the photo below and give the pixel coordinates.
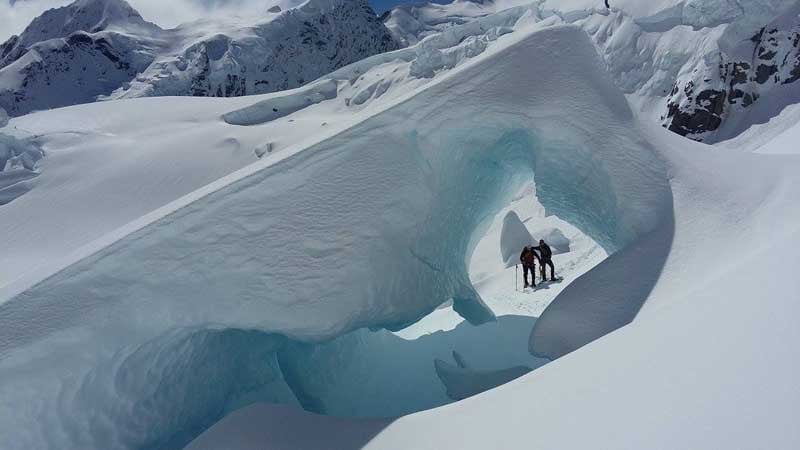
(149, 341)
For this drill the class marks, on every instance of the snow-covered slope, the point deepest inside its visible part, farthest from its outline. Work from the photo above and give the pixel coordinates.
(226, 252)
(103, 48)
(282, 51)
(90, 16)
(73, 54)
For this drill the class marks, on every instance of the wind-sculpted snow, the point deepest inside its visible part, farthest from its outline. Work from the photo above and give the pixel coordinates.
(282, 434)
(284, 104)
(371, 228)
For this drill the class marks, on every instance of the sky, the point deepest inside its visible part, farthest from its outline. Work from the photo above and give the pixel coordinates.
(166, 13)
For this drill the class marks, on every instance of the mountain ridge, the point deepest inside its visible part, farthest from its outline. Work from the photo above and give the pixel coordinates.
(103, 49)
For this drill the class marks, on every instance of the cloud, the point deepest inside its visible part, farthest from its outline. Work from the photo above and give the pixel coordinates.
(14, 18)
(169, 14)
(16, 15)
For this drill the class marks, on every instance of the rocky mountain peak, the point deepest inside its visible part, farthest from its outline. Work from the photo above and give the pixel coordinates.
(89, 16)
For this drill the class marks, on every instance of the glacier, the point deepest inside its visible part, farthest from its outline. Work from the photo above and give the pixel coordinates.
(233, 278)
(705, 364)
(280, 248)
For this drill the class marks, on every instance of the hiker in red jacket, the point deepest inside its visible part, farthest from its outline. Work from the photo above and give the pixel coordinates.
(528, 259)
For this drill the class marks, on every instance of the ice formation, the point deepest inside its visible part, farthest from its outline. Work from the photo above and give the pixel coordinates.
(280, 245)
(513, 237)
(224, 277)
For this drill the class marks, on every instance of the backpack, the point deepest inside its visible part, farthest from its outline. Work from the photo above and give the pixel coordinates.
(529, 258)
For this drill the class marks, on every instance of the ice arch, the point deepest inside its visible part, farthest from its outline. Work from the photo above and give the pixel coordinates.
(370, 228)
(373, 228)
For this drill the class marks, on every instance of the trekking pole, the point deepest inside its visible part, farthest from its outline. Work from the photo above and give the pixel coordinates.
(516, 276)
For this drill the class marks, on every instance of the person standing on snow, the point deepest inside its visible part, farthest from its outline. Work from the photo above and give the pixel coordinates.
(528, 259)
(546, 260)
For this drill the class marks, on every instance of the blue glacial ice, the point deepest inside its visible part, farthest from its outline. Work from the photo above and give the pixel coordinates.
(148, 341)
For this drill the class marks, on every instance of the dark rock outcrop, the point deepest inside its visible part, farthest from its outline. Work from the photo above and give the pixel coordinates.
(699, 104)
(104, 49)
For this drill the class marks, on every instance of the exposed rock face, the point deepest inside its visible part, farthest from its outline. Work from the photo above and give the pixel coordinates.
(297, 47)
(102, 49)
(708, 60)
(91, 16)
(699, 103)
(77, 69)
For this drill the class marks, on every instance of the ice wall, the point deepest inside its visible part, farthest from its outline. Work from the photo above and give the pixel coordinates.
(371, 228)
(19, 163)
(379, 374)
(513, 237)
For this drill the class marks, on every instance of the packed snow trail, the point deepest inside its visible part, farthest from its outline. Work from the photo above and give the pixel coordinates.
(281, 247)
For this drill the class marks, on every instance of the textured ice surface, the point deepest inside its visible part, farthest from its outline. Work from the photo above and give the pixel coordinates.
(19, 161)
(349, 375)
(284, 250)
(700, 313)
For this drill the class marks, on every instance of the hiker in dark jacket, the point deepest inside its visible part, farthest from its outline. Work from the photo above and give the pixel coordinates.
(528, 259)
(545, 260)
